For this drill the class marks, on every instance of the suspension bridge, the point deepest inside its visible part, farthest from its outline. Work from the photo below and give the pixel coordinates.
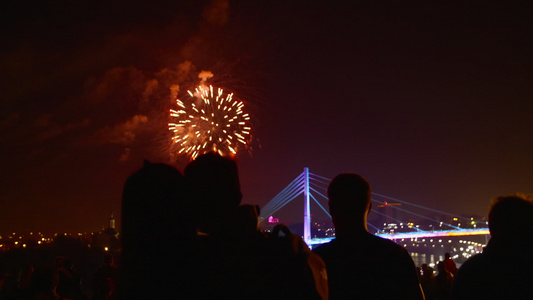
(314, 187)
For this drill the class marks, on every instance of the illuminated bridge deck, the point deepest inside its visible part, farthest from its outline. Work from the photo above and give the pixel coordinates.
(419, 234)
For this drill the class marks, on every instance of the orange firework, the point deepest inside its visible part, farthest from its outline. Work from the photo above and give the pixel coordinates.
(209, 121)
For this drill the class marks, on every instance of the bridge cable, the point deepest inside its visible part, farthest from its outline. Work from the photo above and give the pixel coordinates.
(282, 198)
(318, 182)
(422, 207)
(427, 218)
(318, 193)
(293, 194)
(327, 213)
(395, 199)
(280, 195)
(321, 177)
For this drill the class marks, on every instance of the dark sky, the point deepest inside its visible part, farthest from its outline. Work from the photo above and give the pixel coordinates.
(431, 102)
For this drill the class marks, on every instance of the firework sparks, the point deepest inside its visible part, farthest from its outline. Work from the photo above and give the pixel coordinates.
(215, 123)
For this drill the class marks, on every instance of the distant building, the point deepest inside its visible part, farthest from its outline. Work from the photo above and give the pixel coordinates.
(111, 230)
(273, 220)
(108, 237)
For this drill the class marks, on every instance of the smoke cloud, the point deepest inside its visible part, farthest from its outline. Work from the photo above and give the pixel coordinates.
(217, 12)
(204, 75)
(124, 133)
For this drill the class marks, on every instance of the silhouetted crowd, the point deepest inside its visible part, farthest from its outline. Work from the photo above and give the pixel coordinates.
(187, 236)
(60, 280)
(439, 286)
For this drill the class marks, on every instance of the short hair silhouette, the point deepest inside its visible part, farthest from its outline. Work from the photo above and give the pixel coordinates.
(356, 259)
(214, 179)
(511, 215)
(213, 185)
(503, 269)
(157, 226)
(154, 202)
(349, 194)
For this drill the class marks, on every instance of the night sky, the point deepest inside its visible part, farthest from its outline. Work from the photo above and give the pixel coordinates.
(431, 102)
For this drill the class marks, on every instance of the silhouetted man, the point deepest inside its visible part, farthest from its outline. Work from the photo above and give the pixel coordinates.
(238, 261)
(503, 270)
(361, 265)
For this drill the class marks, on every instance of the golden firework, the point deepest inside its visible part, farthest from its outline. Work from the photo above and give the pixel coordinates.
(209, 121)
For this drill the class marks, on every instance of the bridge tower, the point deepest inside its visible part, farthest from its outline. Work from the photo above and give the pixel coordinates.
(307, 208)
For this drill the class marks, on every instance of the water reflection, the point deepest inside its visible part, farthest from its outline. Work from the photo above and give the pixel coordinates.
(423, 258)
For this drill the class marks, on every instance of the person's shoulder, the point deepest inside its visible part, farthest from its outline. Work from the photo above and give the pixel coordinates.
(473, 269)
(473, 279)
(386, 245)
(475, 261)
(326, 248)
(369, 240)
(475, 264)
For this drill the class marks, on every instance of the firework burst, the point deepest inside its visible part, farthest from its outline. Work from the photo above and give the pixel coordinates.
(209, 121)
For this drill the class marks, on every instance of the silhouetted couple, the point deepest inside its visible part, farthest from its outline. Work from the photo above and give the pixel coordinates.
(189, 237)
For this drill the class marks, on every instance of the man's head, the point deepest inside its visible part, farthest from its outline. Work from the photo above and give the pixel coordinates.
(511, 215)
(213, 186)
(154, 203)
(349, 198)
